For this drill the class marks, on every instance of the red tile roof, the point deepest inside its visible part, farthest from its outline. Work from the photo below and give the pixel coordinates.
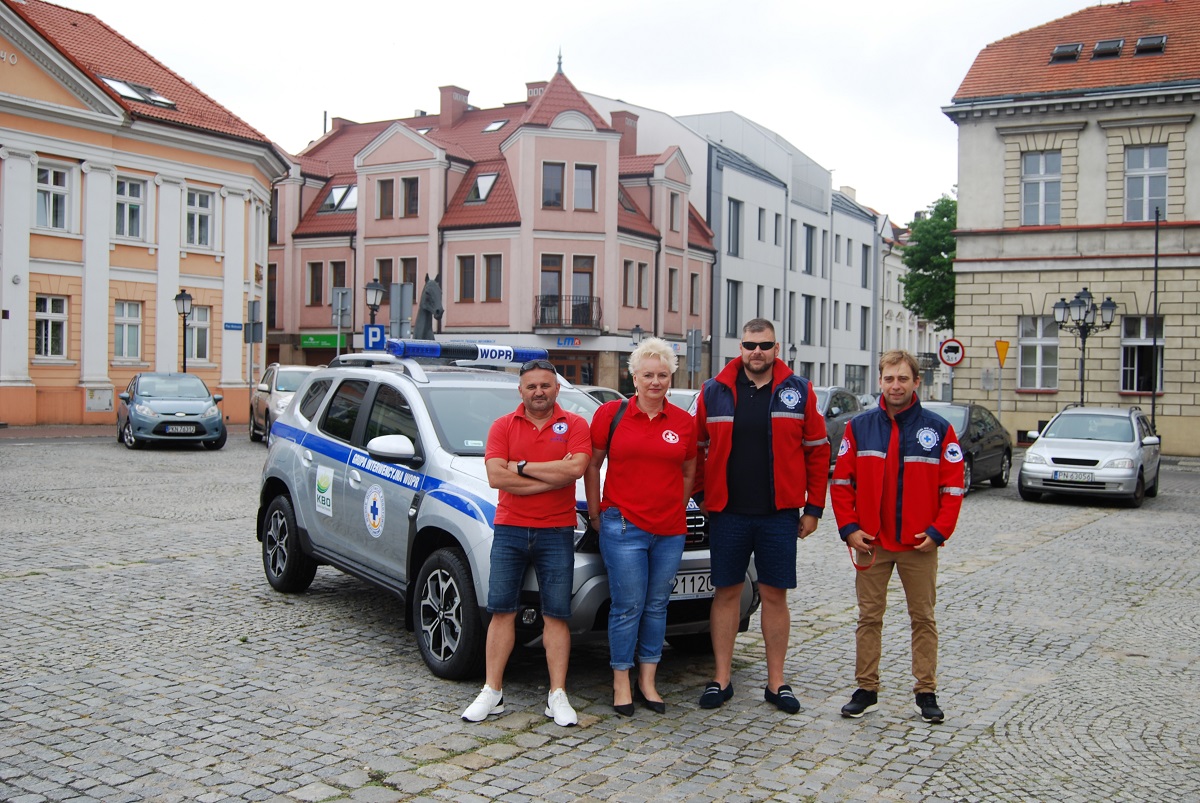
(699, 234)
(500, 208)
(316, 223)
(560, 95)
(640, 165)
(635, 222)
(99, 51)
(1020, 64)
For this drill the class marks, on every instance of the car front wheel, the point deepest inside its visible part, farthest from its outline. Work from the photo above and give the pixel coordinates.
(130, 440)
(1001, 479)
(287, 568)
(1139, 492)
(450, 633)
(217, 442)
(1026, 494)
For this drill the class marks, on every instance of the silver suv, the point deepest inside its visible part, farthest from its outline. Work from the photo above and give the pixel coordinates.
(377, 469)
(272, 395)
(1093, 451)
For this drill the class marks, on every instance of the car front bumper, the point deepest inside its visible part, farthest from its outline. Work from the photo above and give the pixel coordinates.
(176, 428)
(1103, 482)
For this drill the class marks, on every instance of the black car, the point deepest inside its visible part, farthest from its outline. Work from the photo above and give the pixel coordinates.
(986, 445)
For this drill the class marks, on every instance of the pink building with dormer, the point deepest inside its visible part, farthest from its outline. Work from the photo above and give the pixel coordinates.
(545, 224)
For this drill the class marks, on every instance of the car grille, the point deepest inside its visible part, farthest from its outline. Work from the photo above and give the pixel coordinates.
(697, 532)
(1075, 486)
(1073, 461)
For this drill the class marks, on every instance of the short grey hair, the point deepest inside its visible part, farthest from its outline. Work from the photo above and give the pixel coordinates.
(653, 347)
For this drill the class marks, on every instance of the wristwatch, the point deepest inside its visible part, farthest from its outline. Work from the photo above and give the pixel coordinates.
(521, 467)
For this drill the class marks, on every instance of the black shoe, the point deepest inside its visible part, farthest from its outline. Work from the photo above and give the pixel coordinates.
(714, 696)
(927, 702)
(783, 699)
(625, 709)
(861, 702)
(657, 706)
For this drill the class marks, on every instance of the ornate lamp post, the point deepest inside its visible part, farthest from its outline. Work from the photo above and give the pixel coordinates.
(183, 305)
(375, 292)
(792, 356)
(1079, 317)
(636, 333)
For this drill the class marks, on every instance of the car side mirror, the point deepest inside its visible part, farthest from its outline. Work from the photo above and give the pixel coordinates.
(391, 448)
(1033, 434)
(217, 397)
(835, 411)
(123, 397)
(1151, 440)
(264, 387)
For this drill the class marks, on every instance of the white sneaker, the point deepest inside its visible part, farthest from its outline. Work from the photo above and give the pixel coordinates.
(559, 708)
(489, 701)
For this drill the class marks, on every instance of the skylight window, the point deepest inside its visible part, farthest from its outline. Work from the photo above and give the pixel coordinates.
(483, 186)
(626, 204)
(1150, 44)
(423, 131)
(142, 94)
(495, 126)
(1069, 52)
(1108, 49)
(341, 198)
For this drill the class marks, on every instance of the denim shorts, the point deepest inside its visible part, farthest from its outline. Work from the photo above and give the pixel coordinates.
(772, 539)
(551, 550)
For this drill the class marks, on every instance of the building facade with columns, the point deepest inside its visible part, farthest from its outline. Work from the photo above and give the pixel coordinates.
(120, 185)
(1078, 153)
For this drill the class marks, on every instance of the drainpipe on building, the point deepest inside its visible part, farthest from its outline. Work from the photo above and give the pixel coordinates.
(827, 324)
(353, 285)
(786, 334)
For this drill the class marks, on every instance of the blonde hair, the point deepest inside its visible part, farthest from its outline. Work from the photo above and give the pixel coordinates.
(653, 347)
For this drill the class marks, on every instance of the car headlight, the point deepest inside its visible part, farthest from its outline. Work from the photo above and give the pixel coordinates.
(1121, 462)
(144, 409)
(211, 411)
(1034, 457)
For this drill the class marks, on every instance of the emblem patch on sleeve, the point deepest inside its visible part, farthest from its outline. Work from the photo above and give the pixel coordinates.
(954, 453)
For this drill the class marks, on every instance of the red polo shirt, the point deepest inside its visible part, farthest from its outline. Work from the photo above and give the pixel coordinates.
(514, 437)
(645, 464)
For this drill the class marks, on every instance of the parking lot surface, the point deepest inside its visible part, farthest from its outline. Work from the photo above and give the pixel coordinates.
(145, 657)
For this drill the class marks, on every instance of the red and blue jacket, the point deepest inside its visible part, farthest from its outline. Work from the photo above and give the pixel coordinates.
(798, 444)
(917, 448)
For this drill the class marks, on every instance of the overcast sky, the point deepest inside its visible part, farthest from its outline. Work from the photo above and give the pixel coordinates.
(858, 85)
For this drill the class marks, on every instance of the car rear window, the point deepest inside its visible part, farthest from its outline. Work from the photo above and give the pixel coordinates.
(312, 398)
(342, 412)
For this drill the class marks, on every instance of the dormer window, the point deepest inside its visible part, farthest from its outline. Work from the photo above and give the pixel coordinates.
(1147, 45)
(142, 94)
(626, 204)
(423, 131)
(1108, 49)
(341, 198)
(1069, 52)
(482, 187)
(494, 126)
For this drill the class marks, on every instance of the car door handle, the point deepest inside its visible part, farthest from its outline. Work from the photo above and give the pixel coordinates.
(306, 458)
(354, 478)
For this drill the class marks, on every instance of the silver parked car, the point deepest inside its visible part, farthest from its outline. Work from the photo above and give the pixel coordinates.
(1093, 451)
(377, 469)
(272, 395)
(169, 407)
(838, 405)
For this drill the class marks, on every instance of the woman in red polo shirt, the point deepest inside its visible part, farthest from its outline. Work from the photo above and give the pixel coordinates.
(642, 516)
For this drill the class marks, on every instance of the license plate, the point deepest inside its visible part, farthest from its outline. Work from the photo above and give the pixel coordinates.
(1074, 476)
(692, 585)
(181, 429)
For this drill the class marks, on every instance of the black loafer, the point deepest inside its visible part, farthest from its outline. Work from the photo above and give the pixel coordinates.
(783, 699)
(714, 696)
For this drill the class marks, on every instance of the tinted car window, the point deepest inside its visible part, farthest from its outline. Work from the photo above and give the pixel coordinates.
(391, 414)
(312, 398)
(342, 412)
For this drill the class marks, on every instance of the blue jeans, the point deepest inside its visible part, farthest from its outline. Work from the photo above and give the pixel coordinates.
(551, 550)
(641, 568)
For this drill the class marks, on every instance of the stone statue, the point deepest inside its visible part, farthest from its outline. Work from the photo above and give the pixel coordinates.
(430, 308)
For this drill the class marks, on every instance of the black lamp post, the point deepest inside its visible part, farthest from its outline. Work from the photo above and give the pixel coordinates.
(792, 356)
(183, 305)
(375, 292)
(1079, 317)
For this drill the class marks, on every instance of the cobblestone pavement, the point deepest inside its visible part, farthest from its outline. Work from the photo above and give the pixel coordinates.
(145, 657)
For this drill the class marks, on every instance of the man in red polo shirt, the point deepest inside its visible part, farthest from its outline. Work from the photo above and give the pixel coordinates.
(534, 456)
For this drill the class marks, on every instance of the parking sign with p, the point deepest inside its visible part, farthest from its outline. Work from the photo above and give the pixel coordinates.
(374, 336)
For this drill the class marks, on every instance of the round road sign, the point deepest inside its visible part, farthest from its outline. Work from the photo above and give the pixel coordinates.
(951, 352)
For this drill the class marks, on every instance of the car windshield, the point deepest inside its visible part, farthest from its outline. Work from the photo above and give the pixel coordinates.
(463, 417)
(1090, 428)
(957, 416)
(822, 398)
(290, 381)
(172, 387)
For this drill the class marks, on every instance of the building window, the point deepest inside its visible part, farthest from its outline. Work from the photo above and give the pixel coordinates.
(864, 330)
(195, 340)
(675, 211)
(1141, 337)
(127, 330)
(810, 248)
(694, 302)
(1041, 188)
(1037, 352)
(777, 305)
(383, 274)
(866, 266)
(643, 285)
(551, 287)
(806, 370)
(411, 187)
(385, 198)
(628, 286)
(53, 194)
(837, 248)
(733, 308)
(493, 281)
(856, 378)
(199, 218)
(466, 278)
(836, 313)
(849, 253)
(271, 291)
(673, 289)
(758, 302)
(131, 199)
(824, 317)
(1145, 181)
(50, 326)
(585, 187)
(735, 227)
(791, 322)
(806, 336)
(408, 271)
(316, 283)
(337, 273)
(762, 225)
(552, 185)
(778, 229)
(481, 188)
(341, 198)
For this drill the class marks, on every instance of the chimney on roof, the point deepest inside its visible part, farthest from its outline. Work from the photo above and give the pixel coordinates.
(625, 124)
(419, 113)
(849, 192)
(534, 90)
(341, 122)
(454, 105)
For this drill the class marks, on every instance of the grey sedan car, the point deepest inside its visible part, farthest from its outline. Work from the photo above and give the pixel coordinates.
(169, 407)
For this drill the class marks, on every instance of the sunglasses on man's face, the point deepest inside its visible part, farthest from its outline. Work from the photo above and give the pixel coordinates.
(750, 345)
(534, 365)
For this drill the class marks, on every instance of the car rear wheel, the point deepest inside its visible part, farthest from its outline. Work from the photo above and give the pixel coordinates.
(255, 435)
(287, 568)
(130, 440)
(968, 476)
(450, 633)
(1001, 479)
(217, 442)
(267, 429)
(1139, 492)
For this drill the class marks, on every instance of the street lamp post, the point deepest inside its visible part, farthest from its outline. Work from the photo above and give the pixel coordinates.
(1079, 317)
(792, 356)
(636, 333)
(375, 292)
(183, 305)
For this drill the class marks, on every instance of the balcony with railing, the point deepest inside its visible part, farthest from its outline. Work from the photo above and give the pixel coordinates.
(567, 314)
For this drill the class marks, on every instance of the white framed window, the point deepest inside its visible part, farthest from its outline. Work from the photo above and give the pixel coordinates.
(694, 295)
(1145, 181)
(643, 285)
(385, 199)
(1141, 368)
(493, 277)
(50, 326)
(131, 205)
(315, 284)
(628, 285)
(1041, 188)
(466, 277)
(199, 230)
(552, 185)
(676, 207)
(53, 197)
(127, 330)
(673, 289)
(585, 187)
(196, 336)
(1037, 352)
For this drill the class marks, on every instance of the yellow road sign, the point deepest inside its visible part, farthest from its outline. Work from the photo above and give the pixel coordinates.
(1001, 350)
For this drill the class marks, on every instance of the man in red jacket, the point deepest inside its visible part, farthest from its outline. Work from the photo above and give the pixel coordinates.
(764, 474)
(896, 492)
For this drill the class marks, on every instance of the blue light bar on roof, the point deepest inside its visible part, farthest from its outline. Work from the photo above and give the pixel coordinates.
(463, 351)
